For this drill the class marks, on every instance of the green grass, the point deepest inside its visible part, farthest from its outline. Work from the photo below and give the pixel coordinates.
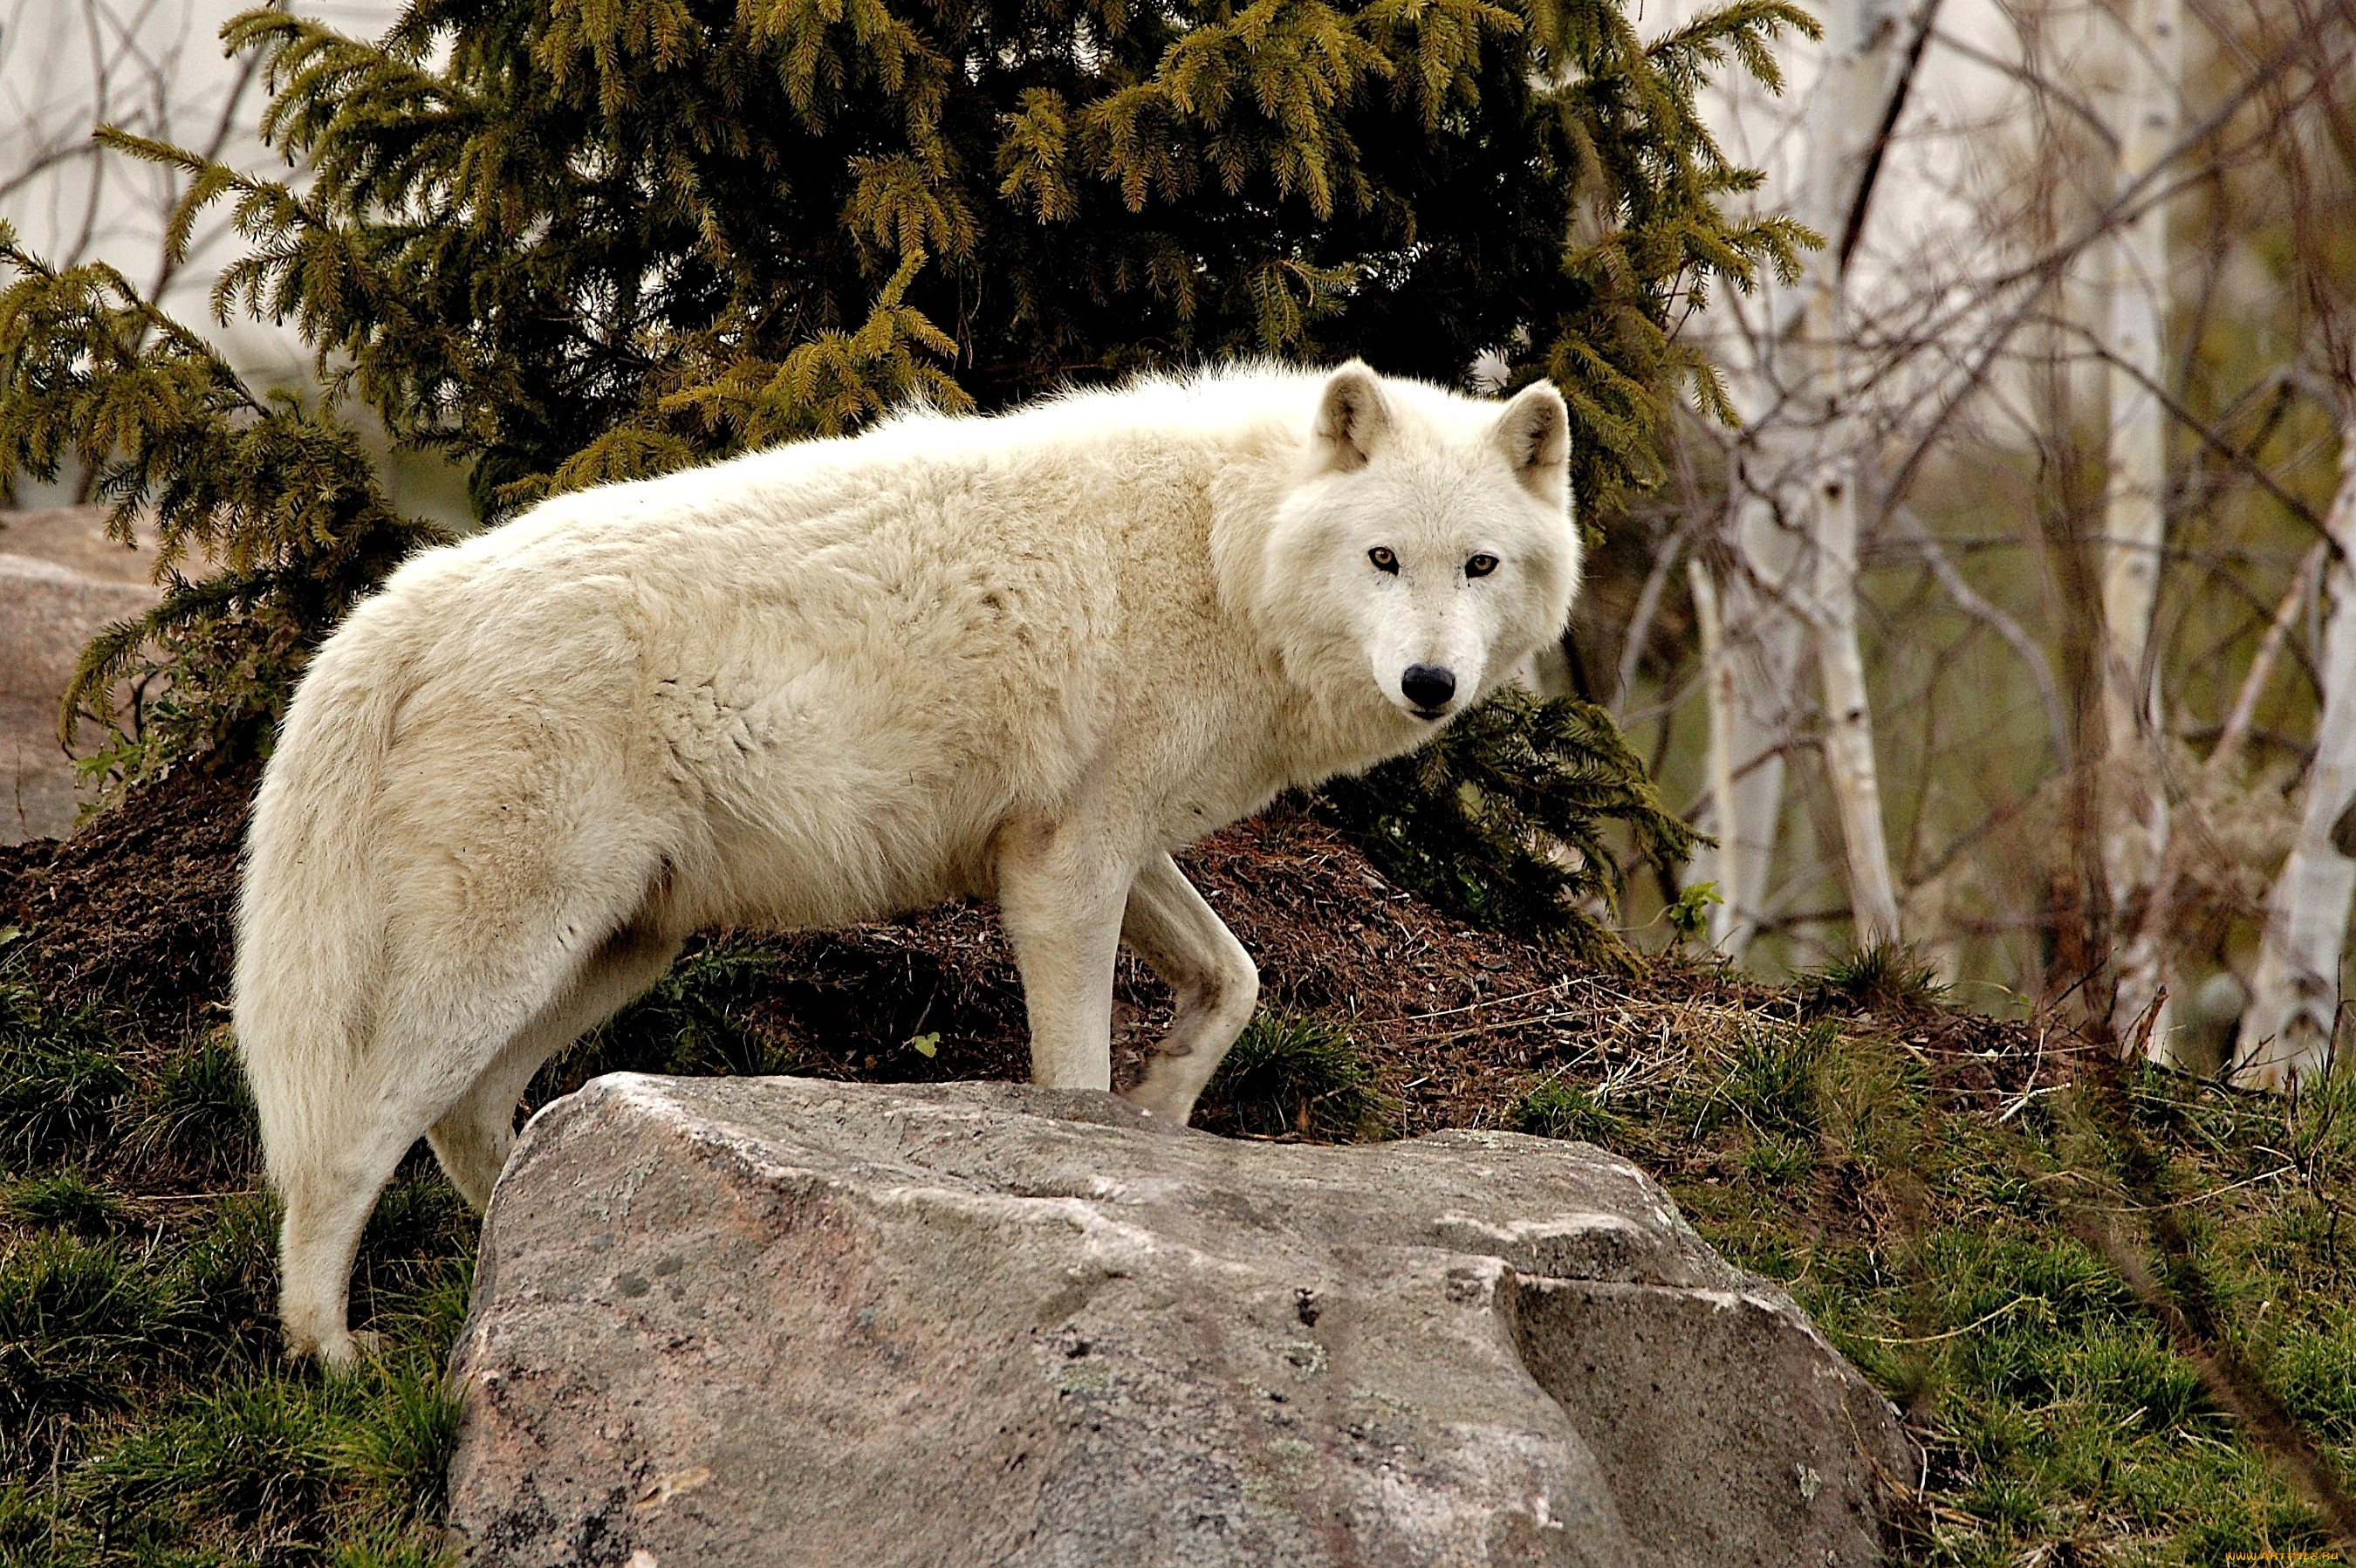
(61, 1084)
(1558, 1110)
(1882, 978)
(146, 1415)
(1929, 1235)
(196, 1117)
(63, 1200)
(1295, 1074)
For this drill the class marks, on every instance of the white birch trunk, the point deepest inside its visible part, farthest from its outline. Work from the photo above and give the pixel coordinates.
(1848, 718)
(1744, 802)
(2286, 1030)
(1754, 695)
(1725, 862)
(1794, 531)
(1861, 40)
(2135, 518)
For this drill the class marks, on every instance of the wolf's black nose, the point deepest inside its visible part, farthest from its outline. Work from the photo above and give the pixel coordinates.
(1427, 686)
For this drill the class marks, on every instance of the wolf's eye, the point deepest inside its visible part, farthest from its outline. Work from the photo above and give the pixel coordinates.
(1384, 559)
(1479, 566)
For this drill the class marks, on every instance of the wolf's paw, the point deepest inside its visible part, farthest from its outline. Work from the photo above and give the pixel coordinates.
(1160, 1101)
(342, 1351)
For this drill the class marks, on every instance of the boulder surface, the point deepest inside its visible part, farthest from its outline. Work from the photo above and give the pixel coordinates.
(779, 1322)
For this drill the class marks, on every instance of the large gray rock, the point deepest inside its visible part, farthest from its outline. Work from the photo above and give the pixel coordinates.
(772, 1321)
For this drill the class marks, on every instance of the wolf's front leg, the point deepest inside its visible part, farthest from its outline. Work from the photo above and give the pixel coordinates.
(1060, 894)
(1213, 980)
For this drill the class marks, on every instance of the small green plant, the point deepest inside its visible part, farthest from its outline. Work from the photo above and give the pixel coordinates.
(64, 1201)
(1885, 977)
(1558, 1110)
(60, 1079)
(198, 1115)
(1690, 915)
(1298, 1074)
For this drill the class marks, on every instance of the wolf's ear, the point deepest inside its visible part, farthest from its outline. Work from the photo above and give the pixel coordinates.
(1533, 433)
(1354, 418)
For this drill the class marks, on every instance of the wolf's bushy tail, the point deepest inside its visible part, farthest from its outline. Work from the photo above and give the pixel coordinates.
(310, 916)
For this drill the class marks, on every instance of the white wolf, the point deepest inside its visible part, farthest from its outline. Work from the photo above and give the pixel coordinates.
(1023, 657)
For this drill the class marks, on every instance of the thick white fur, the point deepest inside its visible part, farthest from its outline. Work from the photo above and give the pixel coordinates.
(1023, 656)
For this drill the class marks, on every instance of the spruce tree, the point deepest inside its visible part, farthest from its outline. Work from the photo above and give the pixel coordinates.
(566, 241)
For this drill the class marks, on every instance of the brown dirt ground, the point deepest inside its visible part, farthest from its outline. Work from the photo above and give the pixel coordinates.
(135, 906)
(135, 910)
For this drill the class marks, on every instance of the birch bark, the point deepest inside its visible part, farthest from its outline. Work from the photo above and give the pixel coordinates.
(1755, 701)
(2287, 1029)
(2134, 495)
(1802, 584)
(1849, 719)
(1717, 669)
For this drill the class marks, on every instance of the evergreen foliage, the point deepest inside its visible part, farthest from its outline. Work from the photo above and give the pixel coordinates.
(283, 496)
(1501, 821)
(564, 241)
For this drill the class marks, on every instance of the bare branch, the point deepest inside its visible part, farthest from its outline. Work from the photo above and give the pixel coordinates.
(1968, 600)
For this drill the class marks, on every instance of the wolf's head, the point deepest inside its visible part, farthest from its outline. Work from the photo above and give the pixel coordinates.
(1426, 548)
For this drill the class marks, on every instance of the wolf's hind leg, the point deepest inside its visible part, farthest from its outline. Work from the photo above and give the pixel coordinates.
(473, 1137)
(330, 1187)
(1215, 982)
(447, 1018)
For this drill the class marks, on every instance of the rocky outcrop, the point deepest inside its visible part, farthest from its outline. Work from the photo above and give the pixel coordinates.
(778, 1321)
(62, 582)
